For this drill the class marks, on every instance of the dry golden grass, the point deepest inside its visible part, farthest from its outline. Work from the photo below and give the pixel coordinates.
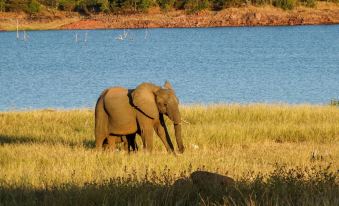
(51, 154)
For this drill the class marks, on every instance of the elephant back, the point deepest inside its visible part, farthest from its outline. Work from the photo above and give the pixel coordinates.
(121, 115)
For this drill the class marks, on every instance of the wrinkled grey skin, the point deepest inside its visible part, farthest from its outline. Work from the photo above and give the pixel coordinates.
(122, 112)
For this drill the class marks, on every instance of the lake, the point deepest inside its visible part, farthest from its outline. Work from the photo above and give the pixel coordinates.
(69, 69)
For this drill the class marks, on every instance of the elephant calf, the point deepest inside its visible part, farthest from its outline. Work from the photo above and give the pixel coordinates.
(128, 142)
(123, 112)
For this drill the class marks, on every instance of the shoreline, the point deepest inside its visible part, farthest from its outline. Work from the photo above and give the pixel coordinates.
(323, 14)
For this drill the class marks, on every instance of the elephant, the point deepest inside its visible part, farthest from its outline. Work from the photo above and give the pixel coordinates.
(128, 142)
(126, 112)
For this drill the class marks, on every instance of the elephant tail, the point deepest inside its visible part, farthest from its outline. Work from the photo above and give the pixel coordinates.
(101, 121)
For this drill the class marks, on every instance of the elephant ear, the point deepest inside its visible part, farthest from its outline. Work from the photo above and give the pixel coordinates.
(168, 85)
(144, 99)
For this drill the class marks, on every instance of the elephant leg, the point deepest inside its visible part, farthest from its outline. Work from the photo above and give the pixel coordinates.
(147, 135)
(164, 136)
(101, 124)
(111, 140)
(142, 139)
(131, 142)
(146, 131)
(123, 140)
(105, 144)
(99, 141)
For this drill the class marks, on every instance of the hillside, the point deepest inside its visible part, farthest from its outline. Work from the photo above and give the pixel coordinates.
(322, 13)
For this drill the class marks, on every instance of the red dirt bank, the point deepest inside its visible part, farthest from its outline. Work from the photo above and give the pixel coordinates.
(324, 13)
(250, 16)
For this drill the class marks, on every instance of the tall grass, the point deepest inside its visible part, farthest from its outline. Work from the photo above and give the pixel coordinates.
(277, 154)
(334, 102)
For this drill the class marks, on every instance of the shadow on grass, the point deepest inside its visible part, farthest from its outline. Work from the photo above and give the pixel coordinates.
(88, 144)
(314, 186)
(8, 139)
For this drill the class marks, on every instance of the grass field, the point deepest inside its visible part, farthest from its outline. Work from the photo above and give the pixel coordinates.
(277, 155)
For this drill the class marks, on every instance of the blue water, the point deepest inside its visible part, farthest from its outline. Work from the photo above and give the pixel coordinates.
(212, 65)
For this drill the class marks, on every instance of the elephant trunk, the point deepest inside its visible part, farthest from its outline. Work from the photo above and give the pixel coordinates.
(175, 117)
(177, 129)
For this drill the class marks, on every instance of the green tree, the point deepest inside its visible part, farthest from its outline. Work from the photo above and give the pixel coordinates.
(230, 3)
(16, 5)
(261, 2)
(144, 5)
(49, 3)
(130, 5)
(285, 4)
(67, 5)
(114, 6)
(309, 3)
(2, 6)
(193, 6)
(104, 5)
(166, 5)
(179, 4)
(33, 7)
(137, 5)
(88, 5)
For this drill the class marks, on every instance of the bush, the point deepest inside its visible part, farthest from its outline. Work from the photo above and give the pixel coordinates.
(193, 6)
(50, 3)
(179, 4)
(261, 2)
(285, 4)
(129, 5)
(308, 3)
(334, 102)
(16, 5)
(136, 5)
(221, 4)
(235, 3)
(33, 7)
(114, 6)
(144, 5)
(123, 6)
(104, 6)
(2, 6)
(67, 5)
(166, 5)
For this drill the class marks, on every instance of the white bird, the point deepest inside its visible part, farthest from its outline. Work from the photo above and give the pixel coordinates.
(120, 37)
(194, 146)
(125, 34)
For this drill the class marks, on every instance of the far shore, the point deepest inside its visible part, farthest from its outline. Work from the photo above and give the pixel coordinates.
(332, 103)
(323, 14)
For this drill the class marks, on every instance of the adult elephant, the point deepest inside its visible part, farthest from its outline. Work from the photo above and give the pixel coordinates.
(123, 112)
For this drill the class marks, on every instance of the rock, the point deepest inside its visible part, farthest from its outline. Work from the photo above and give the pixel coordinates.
(181, 188)
(212, 186)
(203, 179)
